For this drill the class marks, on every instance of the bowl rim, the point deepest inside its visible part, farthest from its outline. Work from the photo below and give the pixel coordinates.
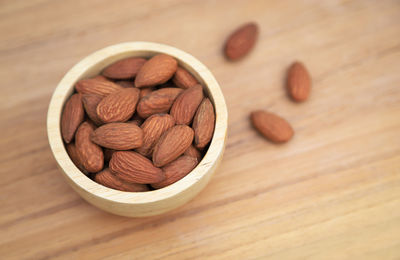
(65, 88)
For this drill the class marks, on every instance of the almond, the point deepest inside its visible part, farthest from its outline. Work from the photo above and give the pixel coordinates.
(157, 70)
(73, 154)
(108, 179)
(184, 79)
(118, 106)
(241, 41)
(173, 143)
(125, 84)
(118, 136)
(124, 69)
(204, 123)
(90, 154)
(159, 101)
(100, 77)
(135, 168)
(90, 102)
(153, 127)
(193, 152)
(271, 126)
(298, 82)
(176, 170)
(72, 117)
(98, 85)
(145, 91)
(186, 104)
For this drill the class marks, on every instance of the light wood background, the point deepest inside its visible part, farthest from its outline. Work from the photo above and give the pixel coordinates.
(333, 192)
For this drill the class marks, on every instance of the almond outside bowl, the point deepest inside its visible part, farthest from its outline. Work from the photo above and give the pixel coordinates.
(137, 204)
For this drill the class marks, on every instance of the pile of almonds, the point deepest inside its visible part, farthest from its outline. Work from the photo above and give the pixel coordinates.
(145, 124)
(142, 124)
(271, 126)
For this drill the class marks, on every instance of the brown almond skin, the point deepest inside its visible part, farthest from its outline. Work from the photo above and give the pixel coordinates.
(98, 85)
(145, 91)
(193, 152)
(125, 84)
(173, 143)
(73, 154)
(158, 101)
(186, 104)
(241, 41)
(100, 77)
(298, 82)
(183, 79)
(153, 127)
(108, 179)
(124, 69)
(118, 106)
(204, 123)
(91, 123)
(271, 126)
(176, 170)
(135, 168)
(118, 136)
(90, 102)
(90, 154)
(157, 70)
(72, 117)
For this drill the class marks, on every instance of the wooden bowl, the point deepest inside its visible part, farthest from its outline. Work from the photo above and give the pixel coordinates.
(137, 204)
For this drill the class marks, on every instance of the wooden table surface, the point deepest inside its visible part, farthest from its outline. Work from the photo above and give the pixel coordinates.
(332, 192)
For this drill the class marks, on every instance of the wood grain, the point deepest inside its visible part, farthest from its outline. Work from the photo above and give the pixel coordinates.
(333, 191)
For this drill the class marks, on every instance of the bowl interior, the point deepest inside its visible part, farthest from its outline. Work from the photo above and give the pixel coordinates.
(92, 66)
